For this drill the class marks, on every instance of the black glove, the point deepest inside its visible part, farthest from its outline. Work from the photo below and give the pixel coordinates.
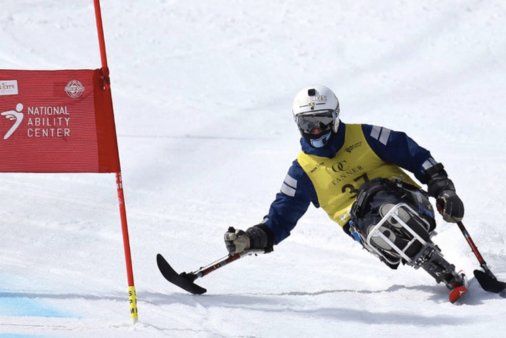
(449, 205)
(255, 238)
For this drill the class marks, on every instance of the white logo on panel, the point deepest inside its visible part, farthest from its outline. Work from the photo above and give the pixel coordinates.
(74, 89)
(8, 87)
(13, 115)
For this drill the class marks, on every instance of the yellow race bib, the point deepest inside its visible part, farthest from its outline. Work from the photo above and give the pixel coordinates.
(338, 179)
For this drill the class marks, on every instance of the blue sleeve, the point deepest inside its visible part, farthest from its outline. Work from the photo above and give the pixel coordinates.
(297, 192)
(398, 148)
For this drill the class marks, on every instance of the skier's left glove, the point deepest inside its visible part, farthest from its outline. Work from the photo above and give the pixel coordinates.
(448, 203)
(450, 206)
(255, 238)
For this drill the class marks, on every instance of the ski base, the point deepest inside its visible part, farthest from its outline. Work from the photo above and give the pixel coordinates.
(184, 280)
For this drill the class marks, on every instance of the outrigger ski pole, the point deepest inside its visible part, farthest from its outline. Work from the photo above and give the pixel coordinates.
(185, 280)
(486, 278)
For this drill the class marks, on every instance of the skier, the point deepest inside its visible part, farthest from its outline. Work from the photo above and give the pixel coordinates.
(355, 173)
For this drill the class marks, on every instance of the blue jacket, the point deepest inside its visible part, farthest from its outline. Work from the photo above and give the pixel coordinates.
(297, 191)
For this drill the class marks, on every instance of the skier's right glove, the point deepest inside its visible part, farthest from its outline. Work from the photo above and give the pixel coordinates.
(449, 205)
(255, 238)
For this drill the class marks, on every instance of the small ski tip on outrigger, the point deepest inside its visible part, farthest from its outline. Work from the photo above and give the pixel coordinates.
(485, 278)
(489, 282)
(185, 280)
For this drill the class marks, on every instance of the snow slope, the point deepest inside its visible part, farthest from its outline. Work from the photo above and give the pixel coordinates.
(202, 93)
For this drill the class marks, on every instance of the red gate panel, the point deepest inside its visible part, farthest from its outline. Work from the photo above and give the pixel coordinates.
(56, 121)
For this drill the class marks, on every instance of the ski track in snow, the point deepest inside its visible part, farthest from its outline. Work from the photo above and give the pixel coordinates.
(202, 95)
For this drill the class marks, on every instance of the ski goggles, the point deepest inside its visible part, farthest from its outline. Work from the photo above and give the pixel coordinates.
(320, 119)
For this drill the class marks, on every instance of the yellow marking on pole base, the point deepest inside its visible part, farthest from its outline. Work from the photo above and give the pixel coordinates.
(132, 296)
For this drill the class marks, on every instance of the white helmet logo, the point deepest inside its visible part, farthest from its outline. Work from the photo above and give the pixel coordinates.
(318, 98)
(16, 116)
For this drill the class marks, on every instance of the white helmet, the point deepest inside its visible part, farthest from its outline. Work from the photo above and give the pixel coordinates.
(316, 112)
